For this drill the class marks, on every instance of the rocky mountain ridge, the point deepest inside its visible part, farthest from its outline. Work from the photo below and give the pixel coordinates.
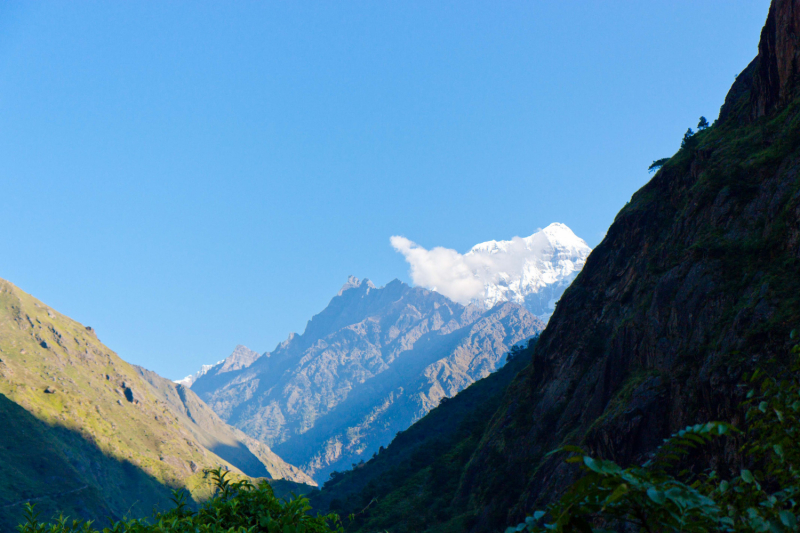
(370, 364)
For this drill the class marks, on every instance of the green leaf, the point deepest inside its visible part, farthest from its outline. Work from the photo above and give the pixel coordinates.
(618, 493)
(788, 519)
(747, 476)
(657, 496)
(778, 449)
(763, 407)
(723, 486)
(538, 514)
(592, 464)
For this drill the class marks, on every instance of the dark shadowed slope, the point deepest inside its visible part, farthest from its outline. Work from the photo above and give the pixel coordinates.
(696, 280)
(61, 471)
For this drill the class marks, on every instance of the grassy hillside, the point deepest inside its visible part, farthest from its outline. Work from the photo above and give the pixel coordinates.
(83, 432)
(409, 485)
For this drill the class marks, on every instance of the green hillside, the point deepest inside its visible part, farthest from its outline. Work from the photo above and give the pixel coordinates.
(86, 435)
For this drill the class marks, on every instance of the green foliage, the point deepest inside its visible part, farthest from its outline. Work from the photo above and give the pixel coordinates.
(237, 506)
(651, 497)
(703, 124)
(687, 138)
(657, 164)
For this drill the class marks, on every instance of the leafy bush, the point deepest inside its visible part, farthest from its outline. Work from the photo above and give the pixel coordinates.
(651, 498)
(237, 506)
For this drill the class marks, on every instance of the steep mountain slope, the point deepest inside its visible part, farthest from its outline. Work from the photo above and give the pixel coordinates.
(696, 281)
(84, 434)
(374, 361)
(409, 485)
(249, 455)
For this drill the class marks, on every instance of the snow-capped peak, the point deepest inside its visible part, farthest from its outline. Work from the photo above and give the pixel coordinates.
(189, 380)
(531, 271)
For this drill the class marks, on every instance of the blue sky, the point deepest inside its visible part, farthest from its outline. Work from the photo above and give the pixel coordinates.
(188, 176)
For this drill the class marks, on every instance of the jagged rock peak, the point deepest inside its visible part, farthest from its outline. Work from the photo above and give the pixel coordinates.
(354, 283)
(775, 79)
(532, 271)
(242, 357)
(770, 81)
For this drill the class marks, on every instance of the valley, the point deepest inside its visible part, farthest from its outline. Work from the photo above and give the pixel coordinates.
(651, 383)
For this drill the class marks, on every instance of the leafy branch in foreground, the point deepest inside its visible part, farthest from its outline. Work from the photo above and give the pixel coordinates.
(237, 506)
(649, 498)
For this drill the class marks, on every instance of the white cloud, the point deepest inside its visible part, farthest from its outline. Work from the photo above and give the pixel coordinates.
(494, 271)
(442, 269)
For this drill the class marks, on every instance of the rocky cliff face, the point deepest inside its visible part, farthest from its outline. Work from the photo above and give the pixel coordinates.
(775, 82)
(695, 282)
(369, 365)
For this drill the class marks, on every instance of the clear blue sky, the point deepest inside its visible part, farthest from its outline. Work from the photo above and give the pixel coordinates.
(185, 176)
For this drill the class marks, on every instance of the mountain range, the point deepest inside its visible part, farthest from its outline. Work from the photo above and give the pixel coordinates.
(455, 418)
(370, 364)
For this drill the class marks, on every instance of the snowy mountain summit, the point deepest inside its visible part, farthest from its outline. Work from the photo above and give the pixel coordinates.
(531, 271)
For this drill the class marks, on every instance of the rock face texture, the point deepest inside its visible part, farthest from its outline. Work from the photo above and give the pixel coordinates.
(775, 82)
(369, 365)
(695, 282)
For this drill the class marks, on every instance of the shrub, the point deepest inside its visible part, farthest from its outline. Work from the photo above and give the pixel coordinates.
(237, 506)
(650, 498)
